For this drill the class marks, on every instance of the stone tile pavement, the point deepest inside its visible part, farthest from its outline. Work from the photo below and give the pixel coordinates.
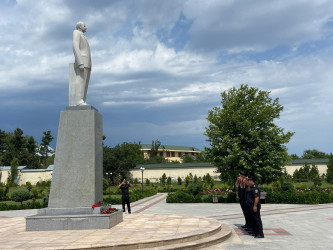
(286, 226)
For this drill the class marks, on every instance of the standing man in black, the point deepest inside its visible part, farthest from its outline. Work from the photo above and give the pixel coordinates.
(253, 200)
(241, 184)
(125, 194)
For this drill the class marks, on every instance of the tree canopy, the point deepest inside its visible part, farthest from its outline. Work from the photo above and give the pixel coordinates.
(14, 145)
(243, 136)
(120, 159)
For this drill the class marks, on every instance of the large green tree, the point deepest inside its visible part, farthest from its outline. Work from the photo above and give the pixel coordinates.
(243, 136)
(120, 159)
(23, 148)
(44, 149)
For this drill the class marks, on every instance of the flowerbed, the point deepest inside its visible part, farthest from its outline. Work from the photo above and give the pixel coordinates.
(102, 208)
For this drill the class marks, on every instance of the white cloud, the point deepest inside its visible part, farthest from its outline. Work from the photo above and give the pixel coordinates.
(135, 68)
(255, 24)
(181, 128)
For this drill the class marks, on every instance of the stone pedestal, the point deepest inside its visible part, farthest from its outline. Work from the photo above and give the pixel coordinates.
(78, 168)
(77, 176)
(73, 221)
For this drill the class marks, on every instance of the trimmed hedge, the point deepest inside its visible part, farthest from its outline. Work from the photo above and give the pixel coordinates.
(313, 197)
(135, 195)
(181, 196)
(28, 205)
(287, 197)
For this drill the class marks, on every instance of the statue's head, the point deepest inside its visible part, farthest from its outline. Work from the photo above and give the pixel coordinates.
(81, 26)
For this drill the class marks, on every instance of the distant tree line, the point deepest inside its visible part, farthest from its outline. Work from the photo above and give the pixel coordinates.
(21, 150)
(310, 154)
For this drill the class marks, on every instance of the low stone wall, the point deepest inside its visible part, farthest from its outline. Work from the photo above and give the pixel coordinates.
(34, 176)
(321, 167)
(154, 174)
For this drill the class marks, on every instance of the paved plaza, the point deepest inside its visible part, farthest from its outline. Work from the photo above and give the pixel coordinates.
(285, 226)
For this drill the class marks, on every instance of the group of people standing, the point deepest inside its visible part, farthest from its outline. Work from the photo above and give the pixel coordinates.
(249, 199)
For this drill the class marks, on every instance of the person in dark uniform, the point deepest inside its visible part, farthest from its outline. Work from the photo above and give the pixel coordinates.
(125, 194)
(253, 201)
(241, 182)
(248, 208)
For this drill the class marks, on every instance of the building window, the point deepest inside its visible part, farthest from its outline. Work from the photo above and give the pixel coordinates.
(192, 153)
(167, 154)
(161, 154)
(179, 154)
(172, 154)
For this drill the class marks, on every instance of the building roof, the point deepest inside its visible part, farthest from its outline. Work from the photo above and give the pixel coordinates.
(309, 161)
(168, 147)
(26, 169)
(176, 165)
(5, 168)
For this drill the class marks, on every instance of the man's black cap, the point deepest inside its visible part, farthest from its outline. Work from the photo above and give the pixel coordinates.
(250, 177)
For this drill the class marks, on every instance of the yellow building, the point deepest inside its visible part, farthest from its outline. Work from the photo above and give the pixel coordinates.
(171, 153)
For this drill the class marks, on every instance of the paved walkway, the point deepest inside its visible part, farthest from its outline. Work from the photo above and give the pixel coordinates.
(285, 226)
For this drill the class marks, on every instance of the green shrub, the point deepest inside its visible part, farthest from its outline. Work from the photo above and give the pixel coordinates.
(317, 181)
(28, 205)
(194, 189)
(163, 179)
(221, 199)
(179, 180)
(312, 197)
(168, 181)
(20, 195)
(231, 198)
(105, 184)
(197, 198)
(180, 197)
(112, 200)
(34, 193)
(28, 185)
(288, 187)
(207, 198)
(2, 194)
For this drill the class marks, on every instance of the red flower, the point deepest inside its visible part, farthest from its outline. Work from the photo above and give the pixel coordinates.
(93, 206)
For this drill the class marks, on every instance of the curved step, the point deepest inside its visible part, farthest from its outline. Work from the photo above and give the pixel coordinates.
(211, 240)
(180, 238)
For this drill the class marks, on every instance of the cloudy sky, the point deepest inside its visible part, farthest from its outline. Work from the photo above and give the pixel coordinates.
(159, 66)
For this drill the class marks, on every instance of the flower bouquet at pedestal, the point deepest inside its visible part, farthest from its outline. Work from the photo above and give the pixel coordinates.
(102, 208)
(214, 193)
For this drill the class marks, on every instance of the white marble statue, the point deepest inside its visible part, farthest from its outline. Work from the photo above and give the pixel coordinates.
(82, 66)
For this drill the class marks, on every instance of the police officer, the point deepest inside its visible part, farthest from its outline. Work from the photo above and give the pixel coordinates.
(241, 182)
(248, 207)
(125, 194)
(253, 201)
